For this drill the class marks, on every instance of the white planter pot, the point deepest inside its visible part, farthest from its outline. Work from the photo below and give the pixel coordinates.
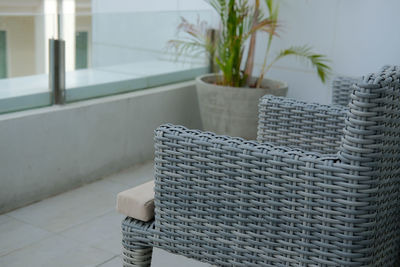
(233, 111)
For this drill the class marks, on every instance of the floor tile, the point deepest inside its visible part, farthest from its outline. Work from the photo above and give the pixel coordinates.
(108, 188)
(76, 228)
(114, 262)
(135, 175)
(15, 234)
(103, 232)
(4, 218)
(72, 208)
(55, 251)
(162, 258)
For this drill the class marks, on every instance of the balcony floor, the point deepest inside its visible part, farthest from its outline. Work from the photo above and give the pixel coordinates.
(76, 228)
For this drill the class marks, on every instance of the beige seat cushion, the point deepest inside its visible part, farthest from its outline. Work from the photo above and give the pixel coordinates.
(137, 202)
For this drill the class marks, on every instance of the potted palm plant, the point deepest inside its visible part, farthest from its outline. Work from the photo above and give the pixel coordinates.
(228, 97)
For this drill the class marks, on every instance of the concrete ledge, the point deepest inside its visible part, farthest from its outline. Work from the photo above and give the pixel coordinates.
(50, 150)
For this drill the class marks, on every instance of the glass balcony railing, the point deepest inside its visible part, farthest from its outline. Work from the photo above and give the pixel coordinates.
(105, 54)
(24, 66)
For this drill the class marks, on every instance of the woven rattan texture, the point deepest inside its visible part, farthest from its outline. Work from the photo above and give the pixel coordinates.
(341, 89)
(312, 127)
(136, 245)
(372, 140)
(232, 202)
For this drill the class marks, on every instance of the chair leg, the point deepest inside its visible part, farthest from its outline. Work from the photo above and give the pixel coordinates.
(137, 255)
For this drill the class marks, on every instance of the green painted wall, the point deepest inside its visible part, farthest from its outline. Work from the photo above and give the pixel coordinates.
(81, 54)
(3, 55)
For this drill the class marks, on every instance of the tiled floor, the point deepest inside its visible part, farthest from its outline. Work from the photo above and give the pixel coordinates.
(76, 228)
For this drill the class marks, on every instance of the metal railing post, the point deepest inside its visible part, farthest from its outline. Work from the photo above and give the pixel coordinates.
(57, 70)
(57, 61)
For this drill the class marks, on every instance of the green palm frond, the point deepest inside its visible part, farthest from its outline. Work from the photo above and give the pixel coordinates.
(273, 11)
(240, 20)
(186, 47)
(195, 42)
(232, 40)
(264, 25)
(220, 7)
(318, 61)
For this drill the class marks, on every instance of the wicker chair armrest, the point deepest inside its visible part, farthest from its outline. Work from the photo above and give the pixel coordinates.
(341, 89)
(221, 199)
(297, 124)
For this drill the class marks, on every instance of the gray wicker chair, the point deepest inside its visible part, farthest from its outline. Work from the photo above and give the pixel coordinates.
(320, 188)
(341, 89)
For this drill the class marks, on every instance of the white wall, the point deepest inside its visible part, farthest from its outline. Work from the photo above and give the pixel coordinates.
(359, 36)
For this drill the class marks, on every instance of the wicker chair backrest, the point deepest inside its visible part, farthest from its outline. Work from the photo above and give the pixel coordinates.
(370, 150)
